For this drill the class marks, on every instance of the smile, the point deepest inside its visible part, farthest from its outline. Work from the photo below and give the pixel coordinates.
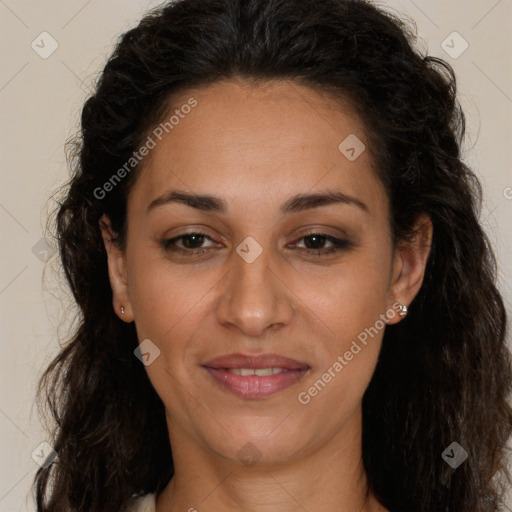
(255, 383)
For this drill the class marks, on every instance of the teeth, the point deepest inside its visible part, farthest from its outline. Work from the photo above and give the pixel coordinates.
(261, 372)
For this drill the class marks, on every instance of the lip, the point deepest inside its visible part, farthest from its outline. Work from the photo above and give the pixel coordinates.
(255, 386)
(262, 361)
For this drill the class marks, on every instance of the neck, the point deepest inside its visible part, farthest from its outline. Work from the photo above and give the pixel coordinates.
(330, 477)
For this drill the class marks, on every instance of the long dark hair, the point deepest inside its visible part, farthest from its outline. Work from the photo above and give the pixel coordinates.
(444, 374)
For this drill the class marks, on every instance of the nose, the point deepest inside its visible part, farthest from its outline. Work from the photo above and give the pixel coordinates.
(254, 296)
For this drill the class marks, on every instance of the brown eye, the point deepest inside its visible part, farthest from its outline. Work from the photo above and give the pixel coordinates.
(315, 242)
(193, 240)
(189, 242)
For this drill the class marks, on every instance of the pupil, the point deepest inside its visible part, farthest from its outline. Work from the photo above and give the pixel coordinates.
(317, 240)
(197, 238)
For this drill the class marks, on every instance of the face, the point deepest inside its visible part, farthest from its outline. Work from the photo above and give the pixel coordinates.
(288, 254)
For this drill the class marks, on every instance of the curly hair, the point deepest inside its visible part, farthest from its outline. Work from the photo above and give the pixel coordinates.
(444, 373)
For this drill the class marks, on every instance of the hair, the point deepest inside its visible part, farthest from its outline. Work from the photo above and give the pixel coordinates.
(444, 374)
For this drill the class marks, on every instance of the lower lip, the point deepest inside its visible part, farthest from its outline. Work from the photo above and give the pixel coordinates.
(255, 386)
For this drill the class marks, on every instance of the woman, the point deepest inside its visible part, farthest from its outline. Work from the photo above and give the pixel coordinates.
(288, 302)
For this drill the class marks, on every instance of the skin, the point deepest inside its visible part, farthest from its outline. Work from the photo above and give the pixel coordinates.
(255, 146)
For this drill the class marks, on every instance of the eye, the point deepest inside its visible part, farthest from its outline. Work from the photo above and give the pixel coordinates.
(188, 242)
(315, 242)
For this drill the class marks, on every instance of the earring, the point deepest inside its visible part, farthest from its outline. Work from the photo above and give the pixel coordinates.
(122, 310)
(403, 310)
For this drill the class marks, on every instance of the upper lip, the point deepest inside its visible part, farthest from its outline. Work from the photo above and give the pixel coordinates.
(255, 362)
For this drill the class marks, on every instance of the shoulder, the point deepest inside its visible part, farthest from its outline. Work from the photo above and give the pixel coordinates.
(144, 503)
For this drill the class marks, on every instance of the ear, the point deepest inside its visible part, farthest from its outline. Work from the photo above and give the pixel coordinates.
(116, 271)
(409, 263)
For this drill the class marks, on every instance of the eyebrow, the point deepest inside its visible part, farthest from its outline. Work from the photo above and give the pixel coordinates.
(297, 203)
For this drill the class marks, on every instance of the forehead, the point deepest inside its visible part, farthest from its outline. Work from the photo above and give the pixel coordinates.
(247, 142)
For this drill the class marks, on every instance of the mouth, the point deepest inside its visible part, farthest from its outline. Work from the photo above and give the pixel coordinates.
(255, 376)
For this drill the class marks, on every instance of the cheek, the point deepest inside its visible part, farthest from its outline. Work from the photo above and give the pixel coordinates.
(167, 300)
(348, 297)
(347, 309)
(350, 336)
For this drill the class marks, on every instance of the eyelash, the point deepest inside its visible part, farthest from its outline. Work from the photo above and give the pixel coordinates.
(339, 244)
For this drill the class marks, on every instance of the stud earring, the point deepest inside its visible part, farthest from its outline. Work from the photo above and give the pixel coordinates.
(403, 310)
(122, 310)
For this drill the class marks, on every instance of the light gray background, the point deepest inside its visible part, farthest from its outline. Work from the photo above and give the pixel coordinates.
(40, 101)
